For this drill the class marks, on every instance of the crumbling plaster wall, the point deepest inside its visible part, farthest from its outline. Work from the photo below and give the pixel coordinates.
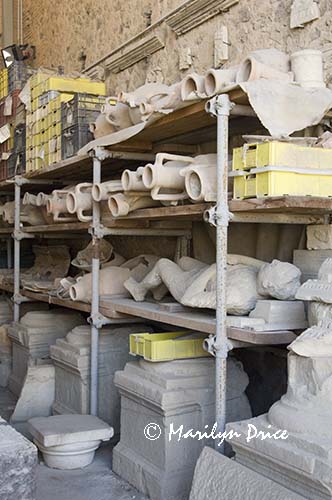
(61, 30)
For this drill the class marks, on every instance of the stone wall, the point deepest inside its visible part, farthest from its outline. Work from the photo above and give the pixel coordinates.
(64, 30)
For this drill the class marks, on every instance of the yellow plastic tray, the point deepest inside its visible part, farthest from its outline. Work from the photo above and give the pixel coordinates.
(280, 154)
(167, 346)
(63, 84)
(276, 181)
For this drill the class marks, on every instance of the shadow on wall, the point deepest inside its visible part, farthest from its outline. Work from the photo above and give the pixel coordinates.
(262, 241)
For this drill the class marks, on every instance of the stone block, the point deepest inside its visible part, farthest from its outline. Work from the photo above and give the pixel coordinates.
(163, 394)
(218, 477)
(71, 358)
(36, 397)
(309, 262)
(299, 463)
(319, 237)
(32, 337)
(18, 463)
(280, 314)
(69, 441)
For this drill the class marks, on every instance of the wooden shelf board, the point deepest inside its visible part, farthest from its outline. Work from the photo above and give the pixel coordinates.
(195, 320)
(293, 204)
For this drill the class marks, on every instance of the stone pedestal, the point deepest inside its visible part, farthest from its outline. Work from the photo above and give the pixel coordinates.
(31, 339)
(18, 464)
(71, 357)
(164, 394)
(303, 461)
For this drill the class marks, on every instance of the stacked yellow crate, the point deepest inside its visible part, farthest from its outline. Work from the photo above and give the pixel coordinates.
(3, 83)
(44, 119)
(276, 168)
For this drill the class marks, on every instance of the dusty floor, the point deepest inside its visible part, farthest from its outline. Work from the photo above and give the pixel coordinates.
(95, 482)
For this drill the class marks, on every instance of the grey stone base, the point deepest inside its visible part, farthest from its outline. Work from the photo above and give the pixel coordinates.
(147, 478)
(18, 462)
(219, 478)
(299, 463)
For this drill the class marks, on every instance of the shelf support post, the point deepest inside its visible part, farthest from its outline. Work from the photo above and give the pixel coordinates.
(220, 106)
(95, 324)
(17, 249)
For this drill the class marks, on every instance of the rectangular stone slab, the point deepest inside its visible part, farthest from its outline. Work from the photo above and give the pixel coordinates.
(66, 429)
(220, 478)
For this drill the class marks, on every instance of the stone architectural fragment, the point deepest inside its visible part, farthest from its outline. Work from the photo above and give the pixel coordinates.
(169, 394)
(319, 237)
(18, 463)
(303, 12)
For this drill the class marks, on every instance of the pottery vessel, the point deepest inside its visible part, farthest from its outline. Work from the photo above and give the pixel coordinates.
(117, 114)
(164, 104)
(252, 69)
(201, 178)
(56, 205)
(101, 126)
(111, 280)
(217, 79)
(41, 199)
(307, 66)
(148, 93)
(121, 204)
(101, 191)
(132, 180)
(164, 178)
(192, 87)
(79, 201)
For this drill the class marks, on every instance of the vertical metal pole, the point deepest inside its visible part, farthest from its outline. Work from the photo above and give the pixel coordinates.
(95, 296)
(17, 251)
(223, 107)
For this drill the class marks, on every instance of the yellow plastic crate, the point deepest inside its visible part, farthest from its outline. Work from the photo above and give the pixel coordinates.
(55, 157)
(63, 84)
(167, 346)
(278, 181)
(281, 154)
(55, 104)
(54, 130)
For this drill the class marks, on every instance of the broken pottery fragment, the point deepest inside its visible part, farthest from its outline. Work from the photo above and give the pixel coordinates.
(83, 259)
(280, 280)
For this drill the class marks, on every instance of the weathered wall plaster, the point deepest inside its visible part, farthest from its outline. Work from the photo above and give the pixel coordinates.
(63, 29)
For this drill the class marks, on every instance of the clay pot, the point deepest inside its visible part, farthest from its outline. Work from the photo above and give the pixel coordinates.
(56, 205)
(111, 280)
(201, 178)
(217, 79)
(132, 180)
(117, 115)
(148, 93)
(41, 199)
(192, 87)
(122, 203)
(164, 103)
(252, 69)
(101, 126)
(307, 66)
(166, 177)
(29, 199)
(79, 201)
(101, 191)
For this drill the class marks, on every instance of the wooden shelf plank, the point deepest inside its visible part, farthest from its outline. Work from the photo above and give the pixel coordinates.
(195, 320)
